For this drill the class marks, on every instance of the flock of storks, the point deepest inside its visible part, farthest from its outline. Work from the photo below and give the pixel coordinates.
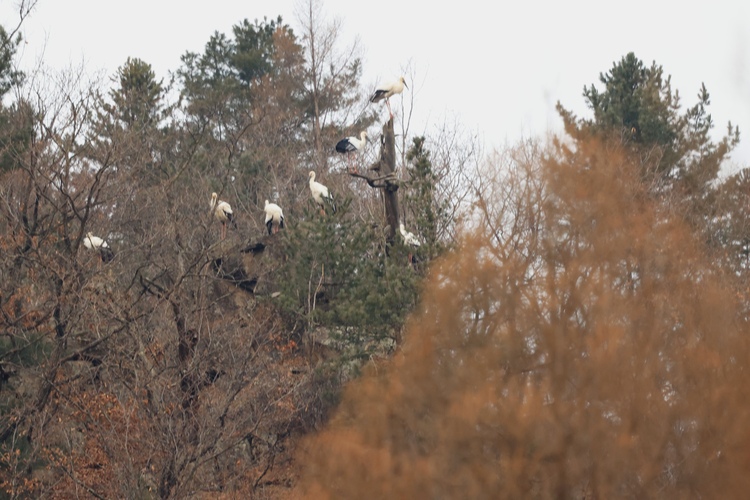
(274, 214)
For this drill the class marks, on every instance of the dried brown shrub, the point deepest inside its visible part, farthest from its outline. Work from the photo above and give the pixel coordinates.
(585, 347)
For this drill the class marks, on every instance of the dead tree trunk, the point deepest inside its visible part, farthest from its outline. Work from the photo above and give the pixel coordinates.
(386, 180)
(390, 188)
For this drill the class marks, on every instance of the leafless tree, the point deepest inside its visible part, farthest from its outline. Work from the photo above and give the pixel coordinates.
(155, 372)
(331, 78)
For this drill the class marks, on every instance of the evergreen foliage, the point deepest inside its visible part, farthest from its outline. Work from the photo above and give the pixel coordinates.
(9, 76)
(678, 158)
(16, 119)
(603, 357)
(638, 106)
(138, 100)
(340, 277)
(134, 129)
(225, 77)
(420, 198)
(243, 98)
(169, 371)
(253, 50)
(16, 133)
(162, 341)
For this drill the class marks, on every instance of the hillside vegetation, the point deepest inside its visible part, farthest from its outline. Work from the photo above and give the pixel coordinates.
(568, 318)
(594, 350)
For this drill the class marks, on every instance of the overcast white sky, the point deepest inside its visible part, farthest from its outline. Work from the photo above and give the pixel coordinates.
(497, 67)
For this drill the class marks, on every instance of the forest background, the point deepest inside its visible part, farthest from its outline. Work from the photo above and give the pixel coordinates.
(573, 324)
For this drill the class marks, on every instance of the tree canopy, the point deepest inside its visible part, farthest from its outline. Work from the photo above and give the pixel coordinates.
(9, 75)
(638, 106)
(186, 363)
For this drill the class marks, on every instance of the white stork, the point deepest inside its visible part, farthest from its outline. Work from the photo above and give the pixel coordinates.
(385, 91)
(351, 145)
(274, 215)
(320, 193)
(410, 239)
(95, 243)
(223, 213)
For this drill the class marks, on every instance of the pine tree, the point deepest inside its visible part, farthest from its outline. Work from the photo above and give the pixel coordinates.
(16, 133)
(224, 79)
(9, 75)
(138, 101)
(639, 108)
(132, 129)
(421, 199)
(242, 98)
(15, 120)
(341, 278)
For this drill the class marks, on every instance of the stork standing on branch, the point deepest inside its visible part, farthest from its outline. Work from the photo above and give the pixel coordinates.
(274, 215)
(320, 194)
(223, 213)
(95, 243)
(386, 90)
(351, 145)
(411, 240)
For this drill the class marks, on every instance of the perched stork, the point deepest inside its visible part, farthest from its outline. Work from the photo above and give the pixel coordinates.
(320, 193)
(223, 213)
(274, 215)
(385, 91)
(95, 243)
(351, 145)
(411, 240)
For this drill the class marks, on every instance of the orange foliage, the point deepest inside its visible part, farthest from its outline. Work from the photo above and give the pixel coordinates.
(600, 355)
(89, 459)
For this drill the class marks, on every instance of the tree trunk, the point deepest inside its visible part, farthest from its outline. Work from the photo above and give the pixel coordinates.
(390, 187)
(386, 180)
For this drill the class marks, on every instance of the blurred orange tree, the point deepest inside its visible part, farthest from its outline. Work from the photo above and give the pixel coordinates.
(580, 344)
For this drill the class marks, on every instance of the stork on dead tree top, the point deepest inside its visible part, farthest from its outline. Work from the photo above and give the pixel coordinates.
(385, 91)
